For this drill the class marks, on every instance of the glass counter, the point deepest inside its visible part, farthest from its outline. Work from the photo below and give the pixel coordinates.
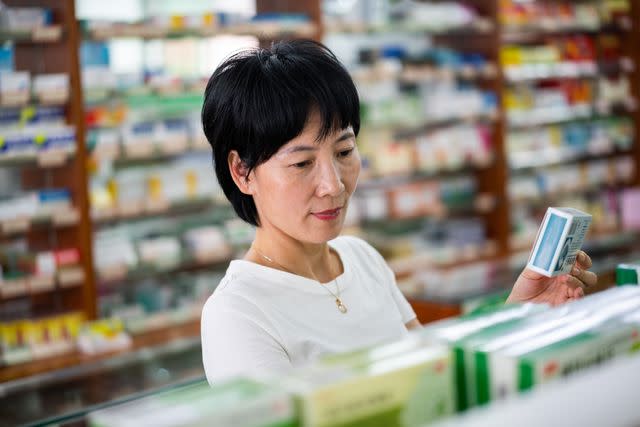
(64, 397)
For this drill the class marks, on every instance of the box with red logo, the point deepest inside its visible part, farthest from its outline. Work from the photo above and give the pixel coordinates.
(67, 257)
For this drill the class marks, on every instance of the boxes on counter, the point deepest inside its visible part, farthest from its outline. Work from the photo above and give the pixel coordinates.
(454, 331)
(399, 385)
(507, 325)
(558, 351)
(559, 239)
(237, 403)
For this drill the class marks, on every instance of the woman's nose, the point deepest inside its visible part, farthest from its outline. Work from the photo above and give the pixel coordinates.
(330, 183)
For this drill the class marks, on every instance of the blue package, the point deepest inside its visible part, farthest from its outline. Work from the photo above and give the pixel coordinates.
(59, 139)
(550, 240)
(7, 62)
(280, 17)
(176, 125)
(143, 128)
(398, 52)
(94, 54)
(54, 195)
(17, 144)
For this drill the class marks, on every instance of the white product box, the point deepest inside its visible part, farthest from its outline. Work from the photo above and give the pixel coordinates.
(15, 88)
(51, 88)
(558, 241)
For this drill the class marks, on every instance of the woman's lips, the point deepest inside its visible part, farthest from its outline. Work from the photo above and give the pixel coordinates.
(328, 214)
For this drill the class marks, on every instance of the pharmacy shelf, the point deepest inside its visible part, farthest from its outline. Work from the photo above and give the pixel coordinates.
(60, 219)
(550, 198)
(478, 26)
(410, 130)
(563, 70)
(159, 155)
(378, 181)
(165, 91)
(523, 160)
(417, 73)
(107, 217)
(44, 34)
(44, 159)
(66, 278)
(186, 262)
(149, 107)
(54, 99)
(542, 117)
(479, 205)
(480, 253)
(524, 33)
(77, 365)
(263, 30)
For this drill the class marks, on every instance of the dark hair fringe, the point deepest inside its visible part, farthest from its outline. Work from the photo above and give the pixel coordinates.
(258, 100)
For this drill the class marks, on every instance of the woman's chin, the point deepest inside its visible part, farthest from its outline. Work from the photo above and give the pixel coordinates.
(323, 234)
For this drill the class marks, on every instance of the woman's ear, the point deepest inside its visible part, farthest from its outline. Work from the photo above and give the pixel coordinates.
(239, 172)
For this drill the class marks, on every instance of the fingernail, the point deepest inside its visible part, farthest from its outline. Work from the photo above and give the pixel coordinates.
(575, 271)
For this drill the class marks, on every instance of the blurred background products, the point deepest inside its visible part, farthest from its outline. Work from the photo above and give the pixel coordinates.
(476, 117)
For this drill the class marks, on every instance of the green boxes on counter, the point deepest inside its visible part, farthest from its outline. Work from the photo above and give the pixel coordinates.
(453, 332)
(628, 274)
(403, 384)
(580, 340)
(238, 403)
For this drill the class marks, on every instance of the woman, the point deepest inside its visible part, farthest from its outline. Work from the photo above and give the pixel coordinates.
(282, 123)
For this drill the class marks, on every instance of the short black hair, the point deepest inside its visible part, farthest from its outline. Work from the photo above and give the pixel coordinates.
(259, 99)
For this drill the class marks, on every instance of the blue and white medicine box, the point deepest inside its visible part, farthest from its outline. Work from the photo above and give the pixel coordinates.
(558, 241)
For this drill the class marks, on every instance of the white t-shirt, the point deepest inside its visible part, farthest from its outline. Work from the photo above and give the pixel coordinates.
(262, 319)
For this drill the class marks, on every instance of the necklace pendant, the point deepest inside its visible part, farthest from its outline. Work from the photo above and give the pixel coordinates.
(341, 306)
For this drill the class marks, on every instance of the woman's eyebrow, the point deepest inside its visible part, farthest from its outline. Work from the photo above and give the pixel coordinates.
(300, 148)
(347, 135)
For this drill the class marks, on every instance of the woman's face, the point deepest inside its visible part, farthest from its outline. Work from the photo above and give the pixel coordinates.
(303, 190)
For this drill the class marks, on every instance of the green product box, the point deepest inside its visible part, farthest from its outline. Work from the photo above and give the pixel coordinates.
(485, 303)
(585, 340)
(368, 389)
(628, 274)
(501, 335)
(238, 403)
(498, 335)
(454, 331)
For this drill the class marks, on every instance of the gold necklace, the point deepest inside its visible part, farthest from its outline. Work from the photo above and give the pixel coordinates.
(339, 304)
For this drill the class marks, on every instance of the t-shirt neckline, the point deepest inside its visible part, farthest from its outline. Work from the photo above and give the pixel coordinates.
(284, 278)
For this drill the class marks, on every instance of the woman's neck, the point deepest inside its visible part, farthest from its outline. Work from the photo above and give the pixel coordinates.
(312, 260)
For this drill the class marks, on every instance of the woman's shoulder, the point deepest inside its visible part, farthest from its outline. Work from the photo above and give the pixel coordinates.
(231, 294)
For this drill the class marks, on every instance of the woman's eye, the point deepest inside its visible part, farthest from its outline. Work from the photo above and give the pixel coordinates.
(345, 153)
(302, 164)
